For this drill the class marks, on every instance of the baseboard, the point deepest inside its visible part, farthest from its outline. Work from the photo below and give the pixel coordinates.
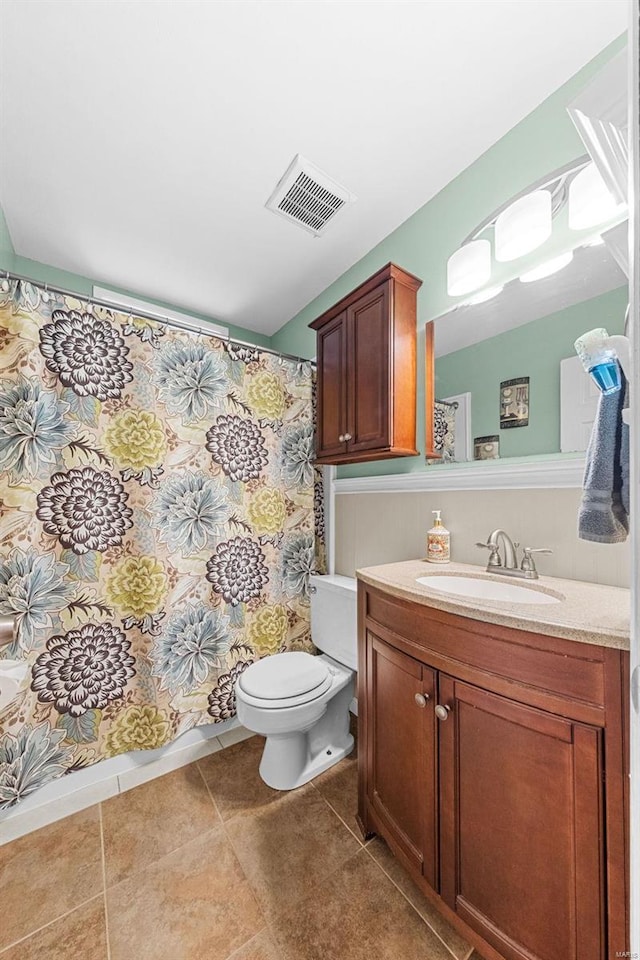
(108, 778)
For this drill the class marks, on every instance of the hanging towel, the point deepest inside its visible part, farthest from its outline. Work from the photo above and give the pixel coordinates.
(604, 510)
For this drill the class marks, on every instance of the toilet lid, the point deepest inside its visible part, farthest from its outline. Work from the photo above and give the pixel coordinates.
(283, 676)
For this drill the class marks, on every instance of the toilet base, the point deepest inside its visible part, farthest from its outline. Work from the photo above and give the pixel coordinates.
(281, 769)
(292, 759)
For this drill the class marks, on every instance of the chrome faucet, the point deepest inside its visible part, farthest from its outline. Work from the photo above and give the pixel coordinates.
(510, 568)
(510, 548)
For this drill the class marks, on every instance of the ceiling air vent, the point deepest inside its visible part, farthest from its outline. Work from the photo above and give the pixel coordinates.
(307, 196)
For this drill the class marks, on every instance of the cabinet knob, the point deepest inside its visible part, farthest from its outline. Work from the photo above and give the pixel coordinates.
(421, 699)
(347, 436)
(442, 712)
(342, 438)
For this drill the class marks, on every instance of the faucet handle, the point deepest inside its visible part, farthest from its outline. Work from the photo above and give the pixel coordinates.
(528, 564)
(494, 556)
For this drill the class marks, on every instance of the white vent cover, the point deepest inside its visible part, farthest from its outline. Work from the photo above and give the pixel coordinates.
(307, 196)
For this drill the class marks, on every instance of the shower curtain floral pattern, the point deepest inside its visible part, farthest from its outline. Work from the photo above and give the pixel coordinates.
(160, 516)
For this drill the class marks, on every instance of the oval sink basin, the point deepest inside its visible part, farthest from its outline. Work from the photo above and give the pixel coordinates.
(475, 588)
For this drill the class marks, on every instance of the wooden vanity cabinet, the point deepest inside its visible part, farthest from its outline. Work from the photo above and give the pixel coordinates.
(366, 354)
(509, 810)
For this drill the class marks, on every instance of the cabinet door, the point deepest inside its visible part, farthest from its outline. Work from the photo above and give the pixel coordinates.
(369, 418)
(402, 755)
(521, 798)
(332, 387)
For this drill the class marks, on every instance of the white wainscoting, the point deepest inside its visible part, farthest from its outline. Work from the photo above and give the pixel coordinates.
(563, 472)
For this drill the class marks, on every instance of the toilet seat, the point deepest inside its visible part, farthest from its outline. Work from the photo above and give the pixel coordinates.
(285, 680)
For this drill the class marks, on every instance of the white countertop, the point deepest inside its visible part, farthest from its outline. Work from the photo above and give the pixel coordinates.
(587, 612)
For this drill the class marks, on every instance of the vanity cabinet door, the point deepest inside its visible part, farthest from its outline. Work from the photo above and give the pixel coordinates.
(521, 835)
(402, 753)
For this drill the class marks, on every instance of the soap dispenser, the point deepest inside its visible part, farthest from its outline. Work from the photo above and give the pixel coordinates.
(438, 541)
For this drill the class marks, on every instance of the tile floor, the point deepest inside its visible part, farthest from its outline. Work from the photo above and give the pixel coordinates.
(208, 863)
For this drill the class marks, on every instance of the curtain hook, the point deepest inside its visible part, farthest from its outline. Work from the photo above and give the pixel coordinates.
(4, 285)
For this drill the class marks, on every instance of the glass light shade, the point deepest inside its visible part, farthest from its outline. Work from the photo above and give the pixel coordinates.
(485, 295)
(590, 200)
(523, 226)
(548, 268)
(468, 268)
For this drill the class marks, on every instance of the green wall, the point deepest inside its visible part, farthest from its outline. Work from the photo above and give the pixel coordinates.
(533, 350)
(545, 140)
(43, 273)
(7, 253)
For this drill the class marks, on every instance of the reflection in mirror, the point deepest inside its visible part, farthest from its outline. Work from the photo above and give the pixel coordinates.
(526, 330)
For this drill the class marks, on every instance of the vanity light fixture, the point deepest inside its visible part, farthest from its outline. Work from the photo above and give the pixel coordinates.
(548, 268)
(523, 226)
(468, 268)
(590, 200)
(488, 294)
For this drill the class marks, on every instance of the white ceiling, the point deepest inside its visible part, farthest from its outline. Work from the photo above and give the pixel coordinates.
(140, 140)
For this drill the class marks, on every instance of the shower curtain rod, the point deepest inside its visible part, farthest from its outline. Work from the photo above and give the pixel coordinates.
(158, 317)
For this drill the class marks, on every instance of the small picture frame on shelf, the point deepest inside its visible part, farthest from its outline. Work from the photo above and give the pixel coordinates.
(486, 448)
(514, 403)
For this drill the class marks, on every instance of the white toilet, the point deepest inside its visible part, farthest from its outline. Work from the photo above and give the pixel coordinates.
(300, 703)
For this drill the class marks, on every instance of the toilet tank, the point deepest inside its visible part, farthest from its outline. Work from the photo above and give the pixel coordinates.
(333, 618)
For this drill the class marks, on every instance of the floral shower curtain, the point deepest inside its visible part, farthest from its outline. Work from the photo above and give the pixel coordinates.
(160, 516)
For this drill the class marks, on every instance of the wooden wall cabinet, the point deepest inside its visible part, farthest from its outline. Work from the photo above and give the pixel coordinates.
(492, 761)
(366, 353)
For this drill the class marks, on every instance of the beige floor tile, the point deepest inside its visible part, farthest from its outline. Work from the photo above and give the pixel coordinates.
(48, 873)
(193, 904)
(356, 914)
(234, 780)
(339, 787)
(394, 869)
(286, 849)
(261, 947)
(81, 935)
(145, 823)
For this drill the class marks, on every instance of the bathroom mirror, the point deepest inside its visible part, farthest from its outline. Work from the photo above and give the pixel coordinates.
(507, 381)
